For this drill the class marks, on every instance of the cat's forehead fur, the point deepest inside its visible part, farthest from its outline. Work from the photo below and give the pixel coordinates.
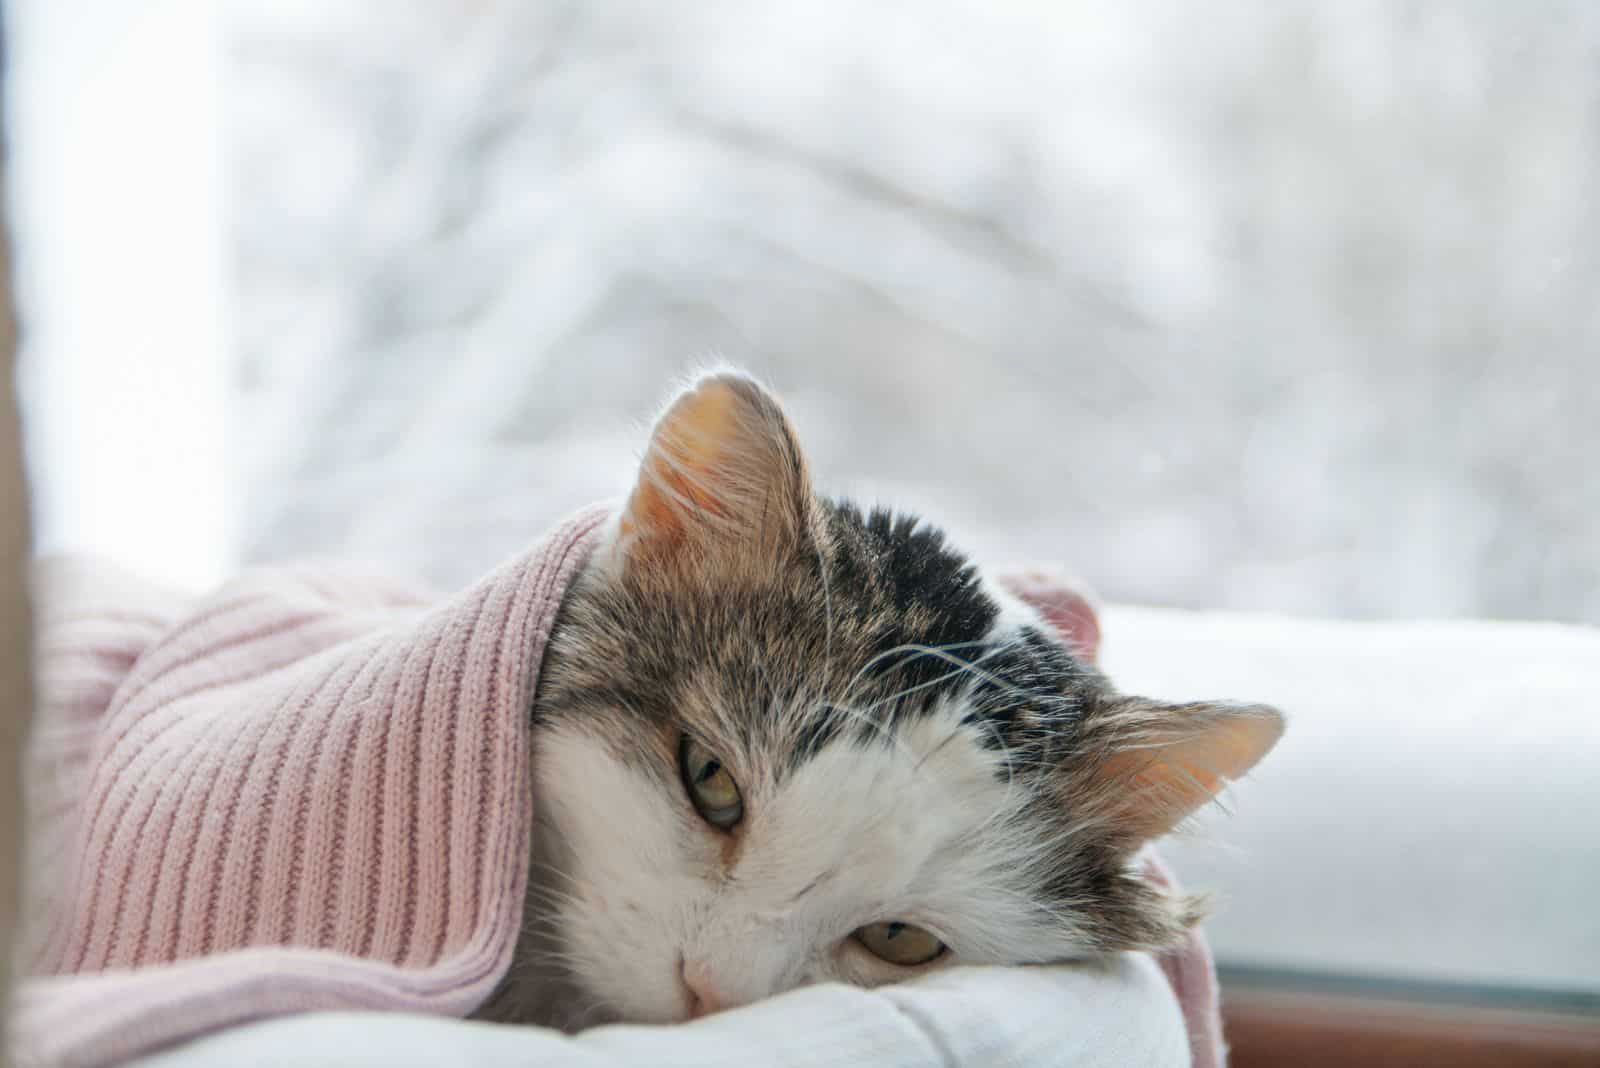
(874, 638)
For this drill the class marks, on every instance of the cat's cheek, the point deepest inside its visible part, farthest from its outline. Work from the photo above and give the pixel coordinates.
(622, 893)
(623, 958)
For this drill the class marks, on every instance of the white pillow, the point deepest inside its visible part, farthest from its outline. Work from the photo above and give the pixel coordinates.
(1076, 1016)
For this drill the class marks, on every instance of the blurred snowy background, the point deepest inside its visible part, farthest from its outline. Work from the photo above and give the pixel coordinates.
(1269, 305)
(1261, 305)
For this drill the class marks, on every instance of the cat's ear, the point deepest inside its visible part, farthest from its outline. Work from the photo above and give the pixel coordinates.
(723, 473)
(1144, 766)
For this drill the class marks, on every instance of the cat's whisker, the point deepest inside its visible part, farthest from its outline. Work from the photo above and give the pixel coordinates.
(967, 667)
(971, 667)
(876, 728)
(880, 725)
(801, 708)
(798, 712)
(908, 652)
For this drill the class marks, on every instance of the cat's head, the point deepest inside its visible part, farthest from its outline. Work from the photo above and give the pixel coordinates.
(780, 741)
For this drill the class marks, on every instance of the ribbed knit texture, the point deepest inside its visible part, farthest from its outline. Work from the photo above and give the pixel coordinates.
(307, 791)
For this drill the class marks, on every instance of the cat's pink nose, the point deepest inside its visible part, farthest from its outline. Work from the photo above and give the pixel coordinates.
(704, 998)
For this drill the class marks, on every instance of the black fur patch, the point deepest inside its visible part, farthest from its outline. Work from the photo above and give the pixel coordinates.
(926, 594)
(1031, 695)
(901, 624)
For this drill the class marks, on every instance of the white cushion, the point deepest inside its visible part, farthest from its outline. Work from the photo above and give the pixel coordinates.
(1108, 1016)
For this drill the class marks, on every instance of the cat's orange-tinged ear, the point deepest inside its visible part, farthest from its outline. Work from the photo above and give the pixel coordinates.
(1153, 764)
(723, 470)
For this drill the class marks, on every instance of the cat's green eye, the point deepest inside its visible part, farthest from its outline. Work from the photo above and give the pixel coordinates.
(710, 786)
(904, 944)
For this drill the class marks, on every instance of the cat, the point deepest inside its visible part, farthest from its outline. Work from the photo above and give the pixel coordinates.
(780, 740)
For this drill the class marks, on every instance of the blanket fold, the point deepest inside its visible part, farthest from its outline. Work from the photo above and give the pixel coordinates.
(302, 792)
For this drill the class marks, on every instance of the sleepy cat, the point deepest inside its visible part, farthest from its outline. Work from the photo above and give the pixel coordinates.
(779, 740)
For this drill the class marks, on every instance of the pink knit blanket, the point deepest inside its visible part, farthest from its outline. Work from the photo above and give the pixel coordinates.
(303, 792)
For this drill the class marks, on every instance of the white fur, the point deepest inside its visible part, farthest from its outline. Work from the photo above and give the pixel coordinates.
(607, 559)
(919, 831)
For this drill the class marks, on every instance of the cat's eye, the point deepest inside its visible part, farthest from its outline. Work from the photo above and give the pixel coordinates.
(899, 943)
(710, 786)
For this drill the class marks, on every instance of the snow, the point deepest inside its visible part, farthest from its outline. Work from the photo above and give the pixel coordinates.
(1250, 306)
